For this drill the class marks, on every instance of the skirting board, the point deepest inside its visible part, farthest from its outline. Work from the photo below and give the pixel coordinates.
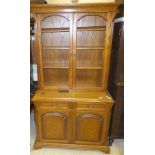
(105, 149)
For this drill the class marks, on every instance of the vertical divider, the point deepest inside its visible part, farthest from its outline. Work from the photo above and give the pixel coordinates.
(71, 116)
(71, 52)
(74, 48)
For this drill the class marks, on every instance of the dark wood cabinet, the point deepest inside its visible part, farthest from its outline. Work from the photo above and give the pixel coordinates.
(73, 48)
(116, 82)
(117, 122)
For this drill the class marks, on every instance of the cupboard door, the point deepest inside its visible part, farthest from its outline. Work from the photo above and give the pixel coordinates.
(89, 127)
(89, 44)
(55, 49)
(54, 125)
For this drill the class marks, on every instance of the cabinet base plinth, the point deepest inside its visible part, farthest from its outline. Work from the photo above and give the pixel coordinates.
(37, 145)
(103, 148)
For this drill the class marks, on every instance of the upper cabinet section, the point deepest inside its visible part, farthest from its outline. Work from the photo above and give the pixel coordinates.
(73, 48)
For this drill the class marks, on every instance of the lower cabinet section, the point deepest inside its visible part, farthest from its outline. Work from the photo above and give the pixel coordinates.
(71, 126)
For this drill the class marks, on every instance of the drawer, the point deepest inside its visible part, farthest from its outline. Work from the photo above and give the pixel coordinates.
(75, 105)
(54, 104)
(92, 106)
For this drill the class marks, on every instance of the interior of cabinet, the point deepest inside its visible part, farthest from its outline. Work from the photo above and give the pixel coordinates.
(56, 76)
(88, 78)
(54, 58)
(90, 39)
(55, 39)
(89, 58)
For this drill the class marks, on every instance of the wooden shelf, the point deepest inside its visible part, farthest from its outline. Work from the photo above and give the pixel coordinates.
(97, 28)
(90, 48)
(46, 30)
(89, 68)
(55, 48)
(55, 67)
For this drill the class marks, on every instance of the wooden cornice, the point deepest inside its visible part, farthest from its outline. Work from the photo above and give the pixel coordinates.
(52, 8)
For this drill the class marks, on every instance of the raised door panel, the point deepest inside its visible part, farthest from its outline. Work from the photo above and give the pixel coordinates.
(55, 49)
(89, 127)
(54, 125)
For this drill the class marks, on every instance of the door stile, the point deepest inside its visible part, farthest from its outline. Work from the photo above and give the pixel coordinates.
(74, 48)
(71, 53)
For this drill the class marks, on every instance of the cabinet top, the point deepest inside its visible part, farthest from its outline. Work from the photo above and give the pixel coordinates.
(53, 8)
(72, 96)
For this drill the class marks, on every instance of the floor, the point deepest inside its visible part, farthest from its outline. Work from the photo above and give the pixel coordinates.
(116, 149)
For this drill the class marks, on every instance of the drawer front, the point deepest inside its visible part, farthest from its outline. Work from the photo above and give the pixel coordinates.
(75, 105)
(89, 105)
(54, 104)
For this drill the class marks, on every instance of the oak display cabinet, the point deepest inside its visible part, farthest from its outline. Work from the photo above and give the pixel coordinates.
(73, 48)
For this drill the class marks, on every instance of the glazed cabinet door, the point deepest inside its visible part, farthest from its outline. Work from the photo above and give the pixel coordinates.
(90, 127)
(73, 50)
(54, 38)
(91, 50)
(54, 125)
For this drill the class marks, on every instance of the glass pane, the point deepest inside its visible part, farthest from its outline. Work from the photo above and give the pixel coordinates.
(91, 21)
(56, 77)
(90, 39)
(91, 33)
(55, 58)
(56, 39)
(89, 58)
(88, 78)
(55, 22)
